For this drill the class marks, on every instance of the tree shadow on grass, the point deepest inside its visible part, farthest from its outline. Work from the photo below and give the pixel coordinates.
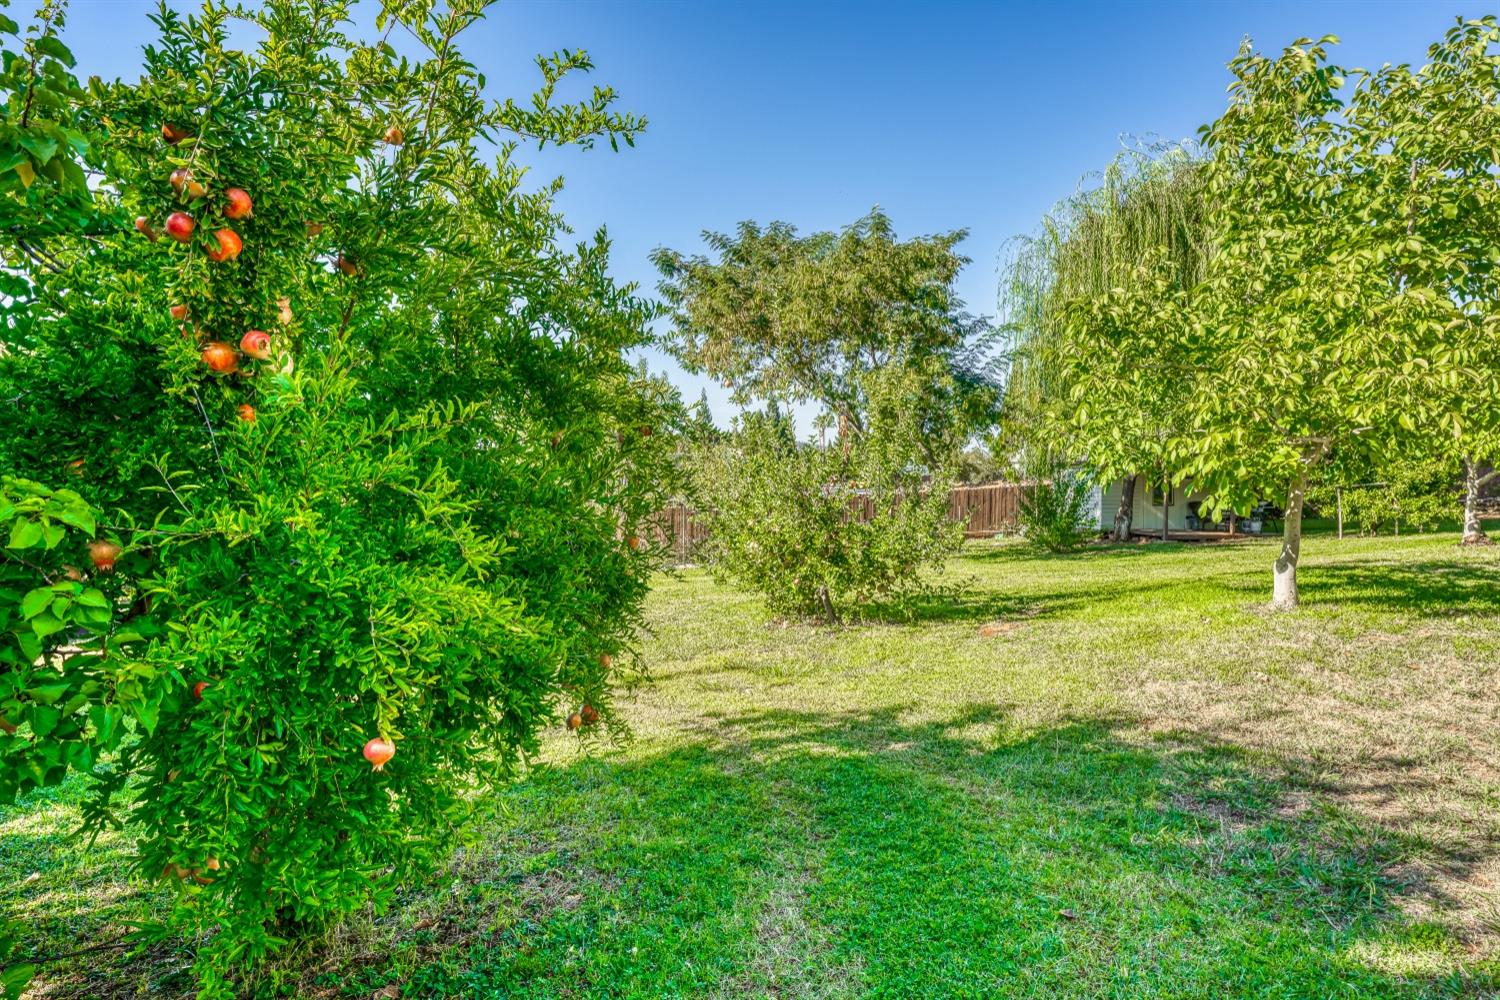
(797, 854)
(1432, 588)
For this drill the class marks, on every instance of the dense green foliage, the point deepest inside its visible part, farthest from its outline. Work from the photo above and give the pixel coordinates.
(777, 315)
(407, 514)
(1053, 512)
(821, 532)
(1332, 293)
(1078, 392)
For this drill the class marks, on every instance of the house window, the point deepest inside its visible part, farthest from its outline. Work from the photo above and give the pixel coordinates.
(1159, 498)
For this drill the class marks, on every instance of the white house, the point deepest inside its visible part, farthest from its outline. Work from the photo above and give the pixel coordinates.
(1179, 506)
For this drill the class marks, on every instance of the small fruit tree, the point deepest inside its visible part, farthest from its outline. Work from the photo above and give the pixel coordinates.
(368, 438)
(869, 328)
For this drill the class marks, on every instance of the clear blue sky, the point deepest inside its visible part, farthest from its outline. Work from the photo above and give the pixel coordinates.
(949, 115)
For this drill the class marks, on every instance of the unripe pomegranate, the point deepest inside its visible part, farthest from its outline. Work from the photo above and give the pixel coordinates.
(184, 183)
(590, 715)
(72, 572)
(256, 344)
(212, 864)
(634, 541)
(104, 553)
(237, 203)
(394, 135)
(378, 751)
(284, 310)
(143, 226)
(645, 432)
(230, 246)
(313, 228)
(575, 720)
(179, 312)
(220, 357)
(7, 727)
(246, 412)
(173, 134)
(556, 440)
(606, 661)
(180, 226)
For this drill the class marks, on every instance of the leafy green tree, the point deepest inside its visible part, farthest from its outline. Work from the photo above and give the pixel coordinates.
(1312, 346)
(821, 532)
(806, 318)
(366, 431)
(1091, 302)
(1428, 147)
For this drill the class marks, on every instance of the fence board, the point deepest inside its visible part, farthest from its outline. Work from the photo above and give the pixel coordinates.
(986, 510)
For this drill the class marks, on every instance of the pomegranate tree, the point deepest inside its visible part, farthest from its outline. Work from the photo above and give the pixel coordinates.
(358, 523)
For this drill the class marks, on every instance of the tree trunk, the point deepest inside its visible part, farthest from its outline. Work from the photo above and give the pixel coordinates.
(1473, 483)
(1284, 588)
(1126, 511)
(1166, 511)
(829, 612)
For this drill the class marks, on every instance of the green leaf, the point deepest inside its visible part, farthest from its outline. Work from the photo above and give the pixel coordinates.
(24, 533)
(36, 601)
(52, 46)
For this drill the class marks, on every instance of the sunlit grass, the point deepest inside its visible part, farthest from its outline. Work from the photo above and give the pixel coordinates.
(1109, 774)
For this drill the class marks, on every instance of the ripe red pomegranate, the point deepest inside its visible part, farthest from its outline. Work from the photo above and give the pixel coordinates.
(104, 552)
(179, 312)
(173, 134)
(76, 467)
(634, 541)
(230, 246)
(246, 412)
(198, 690)
(347, 266)
(143, 226)
(313, 228)
(220, 357)
(378, 751)
(394, 135)
(590, 715)
(645, 432)
(256, 344)
(237, 203)
(180, 226)
(575, 720)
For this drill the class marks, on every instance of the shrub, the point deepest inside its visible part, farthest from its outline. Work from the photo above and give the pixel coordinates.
(1054, 512)
(412, 520)
(818, 532)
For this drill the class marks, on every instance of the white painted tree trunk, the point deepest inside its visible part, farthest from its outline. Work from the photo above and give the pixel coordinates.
(1473, 484)
(1284, 575)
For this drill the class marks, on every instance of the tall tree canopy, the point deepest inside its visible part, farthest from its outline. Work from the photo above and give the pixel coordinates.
(807, 318)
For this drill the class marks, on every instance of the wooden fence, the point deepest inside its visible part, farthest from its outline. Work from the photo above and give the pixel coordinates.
(986, 510)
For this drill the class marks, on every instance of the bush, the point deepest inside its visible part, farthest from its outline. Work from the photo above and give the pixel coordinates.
(817, 532)
(409, 516)
(1054, 512)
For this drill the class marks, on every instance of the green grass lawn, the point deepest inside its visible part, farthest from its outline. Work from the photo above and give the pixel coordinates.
(1104, 775)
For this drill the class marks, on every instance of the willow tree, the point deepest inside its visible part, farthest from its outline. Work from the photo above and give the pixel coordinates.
(1085, 384)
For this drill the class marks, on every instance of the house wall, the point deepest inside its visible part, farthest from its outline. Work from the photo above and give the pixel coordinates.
(1148, 517)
